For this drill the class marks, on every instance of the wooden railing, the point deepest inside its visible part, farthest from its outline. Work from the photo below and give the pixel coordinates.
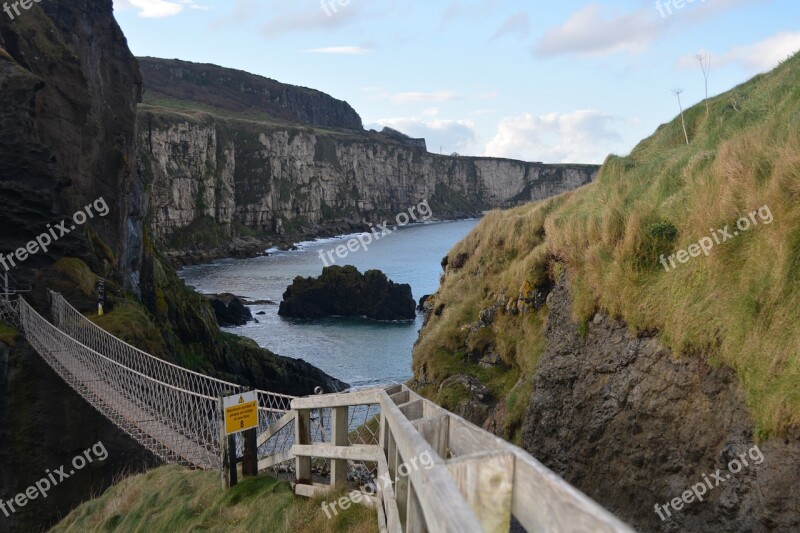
(473, 482)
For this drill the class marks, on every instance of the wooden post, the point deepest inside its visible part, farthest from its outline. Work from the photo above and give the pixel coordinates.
(339, 429)
(415, 520)
(223, 444)
(234, 475)
(227, 446)
(302, 435)
(250, 458)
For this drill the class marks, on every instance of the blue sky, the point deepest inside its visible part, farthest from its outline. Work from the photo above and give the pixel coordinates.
(557, 81)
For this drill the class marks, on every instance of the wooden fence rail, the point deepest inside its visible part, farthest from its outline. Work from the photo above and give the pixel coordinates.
(447, 475)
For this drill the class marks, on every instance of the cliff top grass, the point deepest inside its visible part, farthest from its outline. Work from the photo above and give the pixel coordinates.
(740, 306)
(199, 112)
(173, 498)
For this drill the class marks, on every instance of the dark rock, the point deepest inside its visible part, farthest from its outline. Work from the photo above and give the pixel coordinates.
(261, 313)
(460, 261)
(344, 291)
(632, 426)
(232, 314)
(476, 406)
(422, 301)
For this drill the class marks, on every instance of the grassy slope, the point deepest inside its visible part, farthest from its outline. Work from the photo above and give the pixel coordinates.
(739, 307)
(173, 498)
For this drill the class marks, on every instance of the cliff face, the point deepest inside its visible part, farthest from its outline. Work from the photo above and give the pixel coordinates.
(291, 182)
(69, 87)
(239, 91)
(66, 133)
(631, 425)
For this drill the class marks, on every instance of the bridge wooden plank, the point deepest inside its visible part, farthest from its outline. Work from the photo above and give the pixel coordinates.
(275, 459)
(359, 452)
(412, 409)
(344, 399)
(436, 432)
(126, 409)
(276, 427)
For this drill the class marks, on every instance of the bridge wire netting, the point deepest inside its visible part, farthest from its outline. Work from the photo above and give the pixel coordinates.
(170, 410)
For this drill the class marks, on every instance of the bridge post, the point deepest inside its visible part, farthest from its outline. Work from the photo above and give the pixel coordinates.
(227, 446)
(339, 438)
(302, 436)
(250, 458)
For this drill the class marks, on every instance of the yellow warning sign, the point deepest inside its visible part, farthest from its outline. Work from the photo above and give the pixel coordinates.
(241, 412)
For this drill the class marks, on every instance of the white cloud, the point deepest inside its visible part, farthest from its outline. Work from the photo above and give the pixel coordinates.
(157, 8)
(761, 56)
(293, 17)
(578, 137)
(593, 31)
(597, 30)
(518, 24)
(438, 96)
(441, 134)
(346, 50)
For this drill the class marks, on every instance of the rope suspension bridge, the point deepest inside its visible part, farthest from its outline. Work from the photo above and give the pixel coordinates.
(476, 481)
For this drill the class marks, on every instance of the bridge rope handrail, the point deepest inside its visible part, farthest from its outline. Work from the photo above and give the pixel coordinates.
(178, 427)
(76, 325)
(170, 410)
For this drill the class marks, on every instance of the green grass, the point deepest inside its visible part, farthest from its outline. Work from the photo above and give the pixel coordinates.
(739, 307)
(186, 107)
(173, 498)
(8, 335)
(131, 322)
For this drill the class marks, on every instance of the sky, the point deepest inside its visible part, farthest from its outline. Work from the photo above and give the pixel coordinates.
(564, 81)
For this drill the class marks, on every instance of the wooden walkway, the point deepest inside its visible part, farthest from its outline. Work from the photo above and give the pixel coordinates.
(476, 481)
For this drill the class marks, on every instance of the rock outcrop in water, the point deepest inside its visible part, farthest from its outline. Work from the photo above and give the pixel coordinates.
(230, 310)
(344, 291)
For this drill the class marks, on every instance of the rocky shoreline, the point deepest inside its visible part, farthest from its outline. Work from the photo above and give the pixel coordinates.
(248, 247)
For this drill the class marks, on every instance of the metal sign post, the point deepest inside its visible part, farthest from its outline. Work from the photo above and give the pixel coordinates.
(101, 296)
(238, 414)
